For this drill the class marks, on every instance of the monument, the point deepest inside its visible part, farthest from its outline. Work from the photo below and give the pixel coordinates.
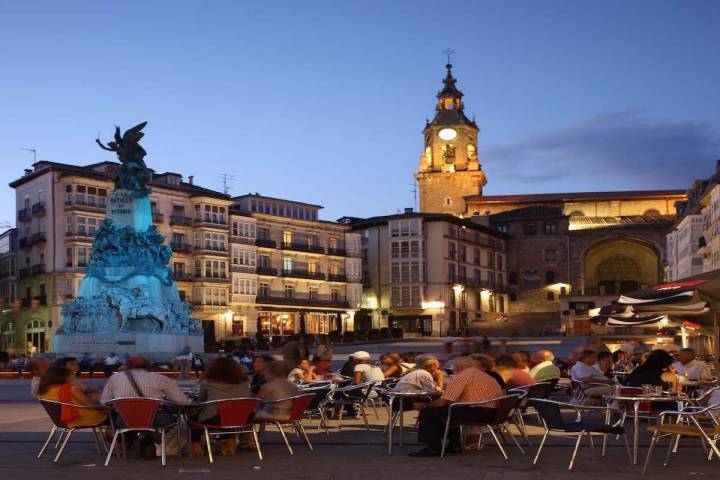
(128, 301)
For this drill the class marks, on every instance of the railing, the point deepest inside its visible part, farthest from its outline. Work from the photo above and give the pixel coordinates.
(38, 269)
(267, 271)
(181, 247)
(182, 277)
(338, 252)
(302, 299)
(265, 242)
(299, 273)
(242, 268)
(303, 247)
(158, 217)
(242, 240)
(84, 203)
(37, 238)
(38, 208)
(24, 242)
(24, 215)
(180, 220)
(337, 277)
(70, 233)
(211, 248)
(210, 221)
(218, 279)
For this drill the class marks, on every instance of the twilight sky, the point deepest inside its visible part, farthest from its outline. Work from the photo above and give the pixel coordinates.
(324, 101)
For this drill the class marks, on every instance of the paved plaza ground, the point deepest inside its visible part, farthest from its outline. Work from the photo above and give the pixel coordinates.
(351, 453)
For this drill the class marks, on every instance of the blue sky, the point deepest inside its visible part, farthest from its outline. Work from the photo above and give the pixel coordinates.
(324, 102)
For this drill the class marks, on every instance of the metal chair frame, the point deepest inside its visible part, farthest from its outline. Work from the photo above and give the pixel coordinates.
(66, 431)
(555, 432)
(319, 408)
(294, 421)
(687, 418)
(499, 423)
(360, 401)
(120, 431)
(218, 430)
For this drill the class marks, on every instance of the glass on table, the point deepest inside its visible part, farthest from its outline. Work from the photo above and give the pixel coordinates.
(658, 391)
(647, 390)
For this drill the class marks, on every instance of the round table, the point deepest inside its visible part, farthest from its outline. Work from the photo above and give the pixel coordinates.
(636, 401)
(392, 397)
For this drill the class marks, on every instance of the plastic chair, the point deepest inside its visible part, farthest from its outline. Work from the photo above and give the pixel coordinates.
(504, 409)
(138, 415)
(53, 409)
(300, 403)
(234, 416)
(555, 425)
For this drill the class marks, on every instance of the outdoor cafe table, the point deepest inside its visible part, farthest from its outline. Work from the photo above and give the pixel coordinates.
(636, 401)
(392, 397)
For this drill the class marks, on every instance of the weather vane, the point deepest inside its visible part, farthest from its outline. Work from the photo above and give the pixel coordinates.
(448, 53)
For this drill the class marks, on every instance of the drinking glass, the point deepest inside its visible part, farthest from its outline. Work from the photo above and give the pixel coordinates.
(646, 389)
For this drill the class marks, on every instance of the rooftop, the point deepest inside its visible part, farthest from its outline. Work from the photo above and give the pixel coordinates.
(619, 223)
(577, 196)
(360, 223)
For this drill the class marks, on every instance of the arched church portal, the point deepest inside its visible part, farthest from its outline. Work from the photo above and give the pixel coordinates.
(620, 266)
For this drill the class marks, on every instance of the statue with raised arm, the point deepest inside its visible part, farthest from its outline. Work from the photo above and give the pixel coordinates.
(133, 174)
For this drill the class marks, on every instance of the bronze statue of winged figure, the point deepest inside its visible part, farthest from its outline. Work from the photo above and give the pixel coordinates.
(133, 174)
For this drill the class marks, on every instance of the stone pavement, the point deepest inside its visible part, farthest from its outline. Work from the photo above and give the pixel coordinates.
(351, 453)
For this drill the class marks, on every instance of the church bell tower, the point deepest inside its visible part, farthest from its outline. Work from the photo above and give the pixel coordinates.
(449, 169)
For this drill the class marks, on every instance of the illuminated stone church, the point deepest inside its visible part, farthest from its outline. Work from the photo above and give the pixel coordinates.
(568, 252)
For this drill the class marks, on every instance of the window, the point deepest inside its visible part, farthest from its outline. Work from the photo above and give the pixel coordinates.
(405, 271)
(406, 296)
(530, 228)
(243, 257)
(69, 257)
(550, 228)
(499, 262)
(289, 291)
(287, 237)
(490, 258)
(404, 228)
(288, 264)
(551, 296)
(476, 256)
(452, 277)
(313, 293)
(463, 253)
(263, 261)
(451, 250)
(501, 227)
(215, 269)
(335, 294)
(263, 289)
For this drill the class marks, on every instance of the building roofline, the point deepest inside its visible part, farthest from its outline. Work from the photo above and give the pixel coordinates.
(257, 195)
(358, 224)
(577, 196)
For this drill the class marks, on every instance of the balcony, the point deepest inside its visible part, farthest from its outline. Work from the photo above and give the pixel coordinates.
(213, 249)
(215, 222)
(267, 271)
(37, 238)
(181, 248)
(337, 277)
(303, 247)
(265, 242)
(24, 215)
(241, 298)
(304, 299)
(158, 217)
(80, 234)
(24, 273)
(214, 279)
(243, 240)
(301, 273)
(24, 242)
(180, 220)
(338, 252)
(242, 268)
(38, 269)
(38, 209)
(83, 204)
(182, 277)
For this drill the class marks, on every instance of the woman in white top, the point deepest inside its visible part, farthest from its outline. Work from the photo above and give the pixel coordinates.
(364, 371)
(303, 372)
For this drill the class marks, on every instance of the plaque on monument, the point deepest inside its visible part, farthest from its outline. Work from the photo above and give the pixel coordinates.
(128, 301)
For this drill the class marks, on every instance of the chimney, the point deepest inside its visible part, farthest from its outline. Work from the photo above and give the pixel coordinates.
(408, 210)
(190, 179)
(28, 171)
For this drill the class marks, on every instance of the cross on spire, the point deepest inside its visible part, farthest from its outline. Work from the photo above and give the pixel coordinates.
(448, 53)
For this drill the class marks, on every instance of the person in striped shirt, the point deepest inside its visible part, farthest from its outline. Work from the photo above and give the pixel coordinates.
(469, 384)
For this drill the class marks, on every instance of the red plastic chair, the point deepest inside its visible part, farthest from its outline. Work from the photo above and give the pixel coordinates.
(300, 403)
(234, 419)
(53, 409)
(138, 415)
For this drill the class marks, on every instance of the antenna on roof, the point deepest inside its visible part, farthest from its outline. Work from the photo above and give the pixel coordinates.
(33, 151)
(414, 191)
(226, 179)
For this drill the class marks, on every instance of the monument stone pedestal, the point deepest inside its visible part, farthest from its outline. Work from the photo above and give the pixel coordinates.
(156, 347)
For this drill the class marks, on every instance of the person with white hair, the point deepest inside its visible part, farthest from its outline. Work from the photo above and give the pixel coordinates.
(364, 371)
(544, 369)
(426, 377)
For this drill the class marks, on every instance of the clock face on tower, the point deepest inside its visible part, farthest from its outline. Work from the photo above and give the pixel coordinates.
(447, 134)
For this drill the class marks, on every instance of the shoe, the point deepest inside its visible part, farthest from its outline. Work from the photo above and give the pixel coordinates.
(425, 452)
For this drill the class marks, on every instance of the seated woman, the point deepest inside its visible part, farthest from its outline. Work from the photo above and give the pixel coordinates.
(364, 371)
(506, 366)
(486, 363)
(393, 365)
(654, 371)
(303, 372)
(224, 378)
(277, 387)
(56, 384)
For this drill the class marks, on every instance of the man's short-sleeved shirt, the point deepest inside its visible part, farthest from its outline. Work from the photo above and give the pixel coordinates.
(472, 385)
(416, 381)
(583, 370)
(693, 370)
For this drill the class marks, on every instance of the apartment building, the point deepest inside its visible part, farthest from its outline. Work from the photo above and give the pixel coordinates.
(305, 270)
(431, 274)
(8, 290)
(693, 244)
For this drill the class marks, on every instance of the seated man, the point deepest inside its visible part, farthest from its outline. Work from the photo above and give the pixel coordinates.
(469, 384)
(584, 371)
(136, 381)
(689, 366)
(426, 377)
(544, 368)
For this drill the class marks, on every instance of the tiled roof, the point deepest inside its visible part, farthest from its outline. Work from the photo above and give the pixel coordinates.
(533, 211)
(575, 196)
(617, 223)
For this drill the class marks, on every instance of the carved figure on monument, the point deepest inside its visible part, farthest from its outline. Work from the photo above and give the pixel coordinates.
(133, 174)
